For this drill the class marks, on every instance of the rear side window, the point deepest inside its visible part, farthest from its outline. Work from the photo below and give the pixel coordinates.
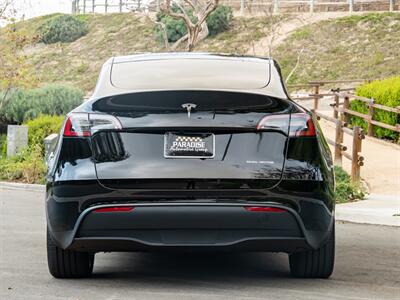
(172, 101)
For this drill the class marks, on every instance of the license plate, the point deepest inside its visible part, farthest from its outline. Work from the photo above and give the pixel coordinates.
(177, 145)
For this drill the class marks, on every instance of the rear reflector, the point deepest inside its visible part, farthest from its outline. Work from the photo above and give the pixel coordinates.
(264, 209)
(114, 209)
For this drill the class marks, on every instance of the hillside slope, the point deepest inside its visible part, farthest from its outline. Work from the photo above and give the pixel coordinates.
(365, 46)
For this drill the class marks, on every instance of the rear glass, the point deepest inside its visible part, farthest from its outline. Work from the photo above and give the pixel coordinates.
(220, 73)
(171, 101)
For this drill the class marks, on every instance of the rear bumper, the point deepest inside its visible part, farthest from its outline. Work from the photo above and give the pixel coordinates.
(190, 226)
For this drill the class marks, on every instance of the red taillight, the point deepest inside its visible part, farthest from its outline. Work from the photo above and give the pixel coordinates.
(72, 129)
(114, 209)
(84, 125)
(264, 209)
(299, 124)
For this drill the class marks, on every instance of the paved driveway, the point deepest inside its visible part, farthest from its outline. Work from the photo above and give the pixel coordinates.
(367, 266)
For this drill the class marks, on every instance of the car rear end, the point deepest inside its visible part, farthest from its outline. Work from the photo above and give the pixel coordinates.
(191, 169)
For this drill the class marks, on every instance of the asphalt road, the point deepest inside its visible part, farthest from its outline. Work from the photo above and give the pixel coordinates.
(367, 266)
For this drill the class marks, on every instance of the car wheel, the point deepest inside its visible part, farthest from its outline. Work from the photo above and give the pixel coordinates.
(68, 263)
(316, 263)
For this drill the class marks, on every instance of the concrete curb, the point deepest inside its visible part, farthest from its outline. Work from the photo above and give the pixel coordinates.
(22, 186)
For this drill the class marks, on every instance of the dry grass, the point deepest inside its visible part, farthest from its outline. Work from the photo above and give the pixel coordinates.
(358, 46)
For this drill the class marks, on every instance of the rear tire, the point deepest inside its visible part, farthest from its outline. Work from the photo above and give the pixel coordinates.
(68, 263)
(317, 263)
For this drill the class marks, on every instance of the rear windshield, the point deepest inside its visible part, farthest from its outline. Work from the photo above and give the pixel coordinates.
(173, 101)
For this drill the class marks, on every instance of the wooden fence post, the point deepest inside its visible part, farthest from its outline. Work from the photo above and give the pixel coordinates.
(316, 96)
(335, 112)
(346, 105)
(93, 5)
(120, 6)
(105, 6)
(338, 143)
(84, 6)
(357, 160)
(371, 117)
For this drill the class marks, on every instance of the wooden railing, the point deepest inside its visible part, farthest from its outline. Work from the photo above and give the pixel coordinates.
(369, 118)
(342, 98)
(357, 160)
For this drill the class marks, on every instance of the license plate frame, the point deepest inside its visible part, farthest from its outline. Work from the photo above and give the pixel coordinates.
(189, 137)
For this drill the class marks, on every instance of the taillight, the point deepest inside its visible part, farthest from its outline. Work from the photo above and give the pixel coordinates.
(300, 124)
(264, 209)
(84, 125)
(274, 122)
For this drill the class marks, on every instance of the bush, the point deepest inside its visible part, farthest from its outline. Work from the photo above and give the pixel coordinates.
(41, 127)
(346, 190)
(23, 105)
(218, 21)
(385, 92)
(28, 166)
(62, 28)
(3, 145)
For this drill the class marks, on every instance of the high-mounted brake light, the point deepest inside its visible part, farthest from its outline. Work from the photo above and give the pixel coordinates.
(114, 209)
(264, 209)
(84, 125)
(300, 124)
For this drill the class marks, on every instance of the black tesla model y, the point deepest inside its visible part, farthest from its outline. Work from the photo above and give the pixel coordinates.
(190, 152)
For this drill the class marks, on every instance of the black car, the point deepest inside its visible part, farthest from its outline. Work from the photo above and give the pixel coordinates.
(187, 152)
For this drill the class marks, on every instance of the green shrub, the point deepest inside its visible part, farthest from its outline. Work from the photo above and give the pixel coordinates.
(41, 127)
(62, 28)
(28, 166)
(23, 105)
(3, 145)
(218, 21)
(346, 190)
(385, 92)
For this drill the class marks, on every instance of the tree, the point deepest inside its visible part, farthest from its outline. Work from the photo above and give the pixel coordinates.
(196, 29)
(15, 71)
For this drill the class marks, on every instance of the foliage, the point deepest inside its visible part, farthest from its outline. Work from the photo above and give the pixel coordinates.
(27, 104)
(357, 46)
(41, 127)
(62, 28)
(28, 166)
(346, 190)
(385, 92)
(15, 68)
(3, 145)
(218, 21)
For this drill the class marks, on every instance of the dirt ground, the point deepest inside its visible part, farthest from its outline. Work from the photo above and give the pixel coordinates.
(381, 168)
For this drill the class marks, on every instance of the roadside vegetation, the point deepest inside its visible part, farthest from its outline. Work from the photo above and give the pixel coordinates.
(355, 47)
(385, 92)
(346, 190)
(367, 48)
(29, 166)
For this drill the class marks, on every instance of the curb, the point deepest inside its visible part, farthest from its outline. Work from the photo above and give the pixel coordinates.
(22, 186)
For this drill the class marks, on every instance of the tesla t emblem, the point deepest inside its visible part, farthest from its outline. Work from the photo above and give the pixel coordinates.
(189, 107)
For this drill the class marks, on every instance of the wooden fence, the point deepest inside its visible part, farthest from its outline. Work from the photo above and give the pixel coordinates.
(342, 98)
(244, 6)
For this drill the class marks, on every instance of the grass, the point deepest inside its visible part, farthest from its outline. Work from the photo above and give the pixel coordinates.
(346, 191)
(361, 46)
